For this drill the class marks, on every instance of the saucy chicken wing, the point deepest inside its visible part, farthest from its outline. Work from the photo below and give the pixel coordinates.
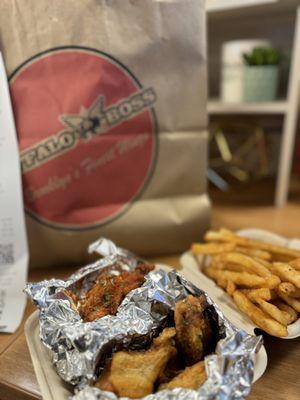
(109, 291)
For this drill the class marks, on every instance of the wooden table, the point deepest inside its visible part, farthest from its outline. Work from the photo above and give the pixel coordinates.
(281, 381)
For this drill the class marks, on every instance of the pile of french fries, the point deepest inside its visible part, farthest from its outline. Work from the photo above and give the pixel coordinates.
(262, 279)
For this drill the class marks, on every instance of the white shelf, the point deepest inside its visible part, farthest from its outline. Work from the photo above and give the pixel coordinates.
(245, 8)
(274, 107)
(221, 5)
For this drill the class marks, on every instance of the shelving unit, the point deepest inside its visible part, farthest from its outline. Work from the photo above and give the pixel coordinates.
(220, 12)
(274, 107)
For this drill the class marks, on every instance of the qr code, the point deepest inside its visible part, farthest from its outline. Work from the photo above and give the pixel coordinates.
(6, 254)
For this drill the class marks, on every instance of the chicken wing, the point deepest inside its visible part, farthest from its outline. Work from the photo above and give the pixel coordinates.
(133, 374)
(103, 382)
(193, 329)
(191, 378)
(109, 291)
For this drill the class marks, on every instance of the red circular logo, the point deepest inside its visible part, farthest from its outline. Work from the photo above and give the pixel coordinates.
(87, 136)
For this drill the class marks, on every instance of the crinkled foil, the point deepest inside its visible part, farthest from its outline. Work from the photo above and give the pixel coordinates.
(79, 349)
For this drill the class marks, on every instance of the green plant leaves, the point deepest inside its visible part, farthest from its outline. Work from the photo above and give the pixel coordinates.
(263, 56)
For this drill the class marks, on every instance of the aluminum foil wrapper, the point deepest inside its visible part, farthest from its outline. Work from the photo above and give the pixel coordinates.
(79, 348)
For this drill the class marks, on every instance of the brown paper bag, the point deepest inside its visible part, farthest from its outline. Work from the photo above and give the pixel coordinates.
(109, 99)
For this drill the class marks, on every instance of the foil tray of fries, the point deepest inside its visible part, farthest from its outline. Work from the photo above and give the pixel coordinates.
(254, 276)
(122, 328)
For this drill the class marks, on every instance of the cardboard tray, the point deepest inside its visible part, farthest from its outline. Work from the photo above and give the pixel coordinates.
(191, 271)
(52, 386)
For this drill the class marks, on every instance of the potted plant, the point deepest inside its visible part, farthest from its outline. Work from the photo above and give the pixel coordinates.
(261, 73)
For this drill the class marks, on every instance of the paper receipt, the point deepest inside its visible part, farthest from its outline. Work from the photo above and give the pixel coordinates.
(13, 240)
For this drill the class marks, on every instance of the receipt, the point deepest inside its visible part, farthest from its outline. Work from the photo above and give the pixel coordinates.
(13, 240)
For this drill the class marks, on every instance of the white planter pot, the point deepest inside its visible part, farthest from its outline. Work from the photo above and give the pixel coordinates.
(260, 83)
(232, 83)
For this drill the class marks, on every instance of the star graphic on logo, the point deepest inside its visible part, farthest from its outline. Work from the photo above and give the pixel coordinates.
(89, 121)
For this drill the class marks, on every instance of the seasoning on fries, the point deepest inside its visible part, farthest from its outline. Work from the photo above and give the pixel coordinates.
(259, 294)
(287, 273)
(291, 301)
(259, 317)
(295, 264)
(289, 289)
(263, 279)
(278, 252)
(283, 306)
(275, 312)
(251, 265)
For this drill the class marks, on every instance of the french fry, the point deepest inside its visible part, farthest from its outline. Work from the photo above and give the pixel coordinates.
(255, 253)
(272, 282)
(260, 318)
(244, 278)
(265, 263)
(218, 278)
(215, 236)
(263, 279)
(287, 273)
(239, 278)
(276, 251)
(222, 282)
(274, 312)
(231, 287)
(218, 236)
(291, 301)
(218, 264)
(212, 248)
(226, 231)
(295, 264)
(281, 258)
(256, 294)
(249, 264)
(289, 289)
(288, 309)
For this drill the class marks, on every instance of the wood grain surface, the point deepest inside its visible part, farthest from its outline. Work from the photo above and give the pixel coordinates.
(281, 380)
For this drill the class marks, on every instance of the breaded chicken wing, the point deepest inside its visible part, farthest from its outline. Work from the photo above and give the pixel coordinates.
(133, 374)
(103, 382)
(191, 378)
(173, 360)
(193, 328)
